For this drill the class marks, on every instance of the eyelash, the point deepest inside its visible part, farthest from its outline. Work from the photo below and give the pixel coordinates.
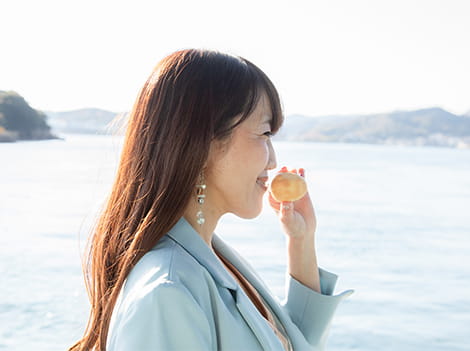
(268, 134)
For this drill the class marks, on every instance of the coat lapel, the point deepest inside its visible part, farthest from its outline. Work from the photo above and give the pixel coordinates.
(249, 273)
(257, 323)
(185, 235)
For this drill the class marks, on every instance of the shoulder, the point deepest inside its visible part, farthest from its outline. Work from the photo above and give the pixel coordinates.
(159, 300)
(161, 272)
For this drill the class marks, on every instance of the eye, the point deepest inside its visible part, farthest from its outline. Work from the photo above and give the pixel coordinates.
(269, 134)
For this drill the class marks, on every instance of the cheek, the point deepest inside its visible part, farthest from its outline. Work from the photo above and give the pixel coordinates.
(252, 161)
(260, 152)
(238, 168)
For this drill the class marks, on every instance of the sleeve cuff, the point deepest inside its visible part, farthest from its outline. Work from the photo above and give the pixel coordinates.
(327, 282)
(311, 311)
(300, 297)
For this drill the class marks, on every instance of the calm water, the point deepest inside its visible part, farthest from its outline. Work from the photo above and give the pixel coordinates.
(394, 223)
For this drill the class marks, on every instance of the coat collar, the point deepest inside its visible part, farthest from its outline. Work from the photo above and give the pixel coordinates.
(190, 240)
(187, 237)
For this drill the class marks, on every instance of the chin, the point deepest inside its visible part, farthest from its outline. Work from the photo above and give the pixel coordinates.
(249, 212)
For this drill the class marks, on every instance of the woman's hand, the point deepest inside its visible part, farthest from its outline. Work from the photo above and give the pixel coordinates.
(299, 224)
(297, 218)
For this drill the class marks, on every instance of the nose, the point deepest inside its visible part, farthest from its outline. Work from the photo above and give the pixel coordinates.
(272, 157)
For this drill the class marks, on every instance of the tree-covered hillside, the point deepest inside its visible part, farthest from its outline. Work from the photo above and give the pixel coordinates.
(19, 121)
(431, 126)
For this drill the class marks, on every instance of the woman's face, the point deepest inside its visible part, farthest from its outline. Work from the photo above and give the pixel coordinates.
(237, 171)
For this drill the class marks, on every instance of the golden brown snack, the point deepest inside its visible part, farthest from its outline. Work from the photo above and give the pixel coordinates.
(287, 186)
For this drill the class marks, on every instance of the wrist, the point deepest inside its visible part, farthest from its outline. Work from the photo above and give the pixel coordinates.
(302, 262)
(301, 241)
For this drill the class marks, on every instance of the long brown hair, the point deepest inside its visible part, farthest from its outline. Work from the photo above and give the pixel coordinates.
(191, 98)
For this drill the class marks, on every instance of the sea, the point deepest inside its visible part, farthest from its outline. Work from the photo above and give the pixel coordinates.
(393, 224)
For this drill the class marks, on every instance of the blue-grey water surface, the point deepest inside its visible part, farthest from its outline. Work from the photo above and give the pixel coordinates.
(393, 223)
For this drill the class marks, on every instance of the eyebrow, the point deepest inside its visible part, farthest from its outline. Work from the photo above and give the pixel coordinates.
(267, 119)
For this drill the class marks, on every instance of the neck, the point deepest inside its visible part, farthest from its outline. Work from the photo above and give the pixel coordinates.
(211, 218)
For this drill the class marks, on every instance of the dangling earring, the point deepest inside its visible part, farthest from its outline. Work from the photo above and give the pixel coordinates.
(200, 195)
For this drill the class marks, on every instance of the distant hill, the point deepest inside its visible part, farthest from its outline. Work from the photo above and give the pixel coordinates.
(432, 126)
(19, 121)
(83, 121)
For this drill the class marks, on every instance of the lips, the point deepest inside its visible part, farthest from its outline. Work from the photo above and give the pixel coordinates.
(261, 181)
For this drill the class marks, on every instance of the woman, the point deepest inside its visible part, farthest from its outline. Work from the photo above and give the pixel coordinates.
(198, 146)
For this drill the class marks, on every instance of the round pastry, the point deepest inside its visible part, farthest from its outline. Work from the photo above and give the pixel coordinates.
(287, 186)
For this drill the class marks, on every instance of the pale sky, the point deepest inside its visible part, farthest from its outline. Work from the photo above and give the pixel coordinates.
(325, 57)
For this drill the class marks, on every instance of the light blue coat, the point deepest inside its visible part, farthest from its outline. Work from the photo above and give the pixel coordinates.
(179, 296)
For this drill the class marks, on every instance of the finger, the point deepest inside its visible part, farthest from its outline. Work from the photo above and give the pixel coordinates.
(274, 204)
(287, 209)
(302, 172)
(283, 169)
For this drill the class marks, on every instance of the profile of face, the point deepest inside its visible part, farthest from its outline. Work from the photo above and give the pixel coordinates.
(237, 170)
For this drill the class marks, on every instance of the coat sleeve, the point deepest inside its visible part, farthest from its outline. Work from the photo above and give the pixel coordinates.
(165, 317)
(311, 311)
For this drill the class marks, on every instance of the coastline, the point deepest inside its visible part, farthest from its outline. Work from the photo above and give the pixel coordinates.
(12, 137)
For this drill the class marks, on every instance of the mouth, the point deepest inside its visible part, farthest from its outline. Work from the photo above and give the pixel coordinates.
(262, 182)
